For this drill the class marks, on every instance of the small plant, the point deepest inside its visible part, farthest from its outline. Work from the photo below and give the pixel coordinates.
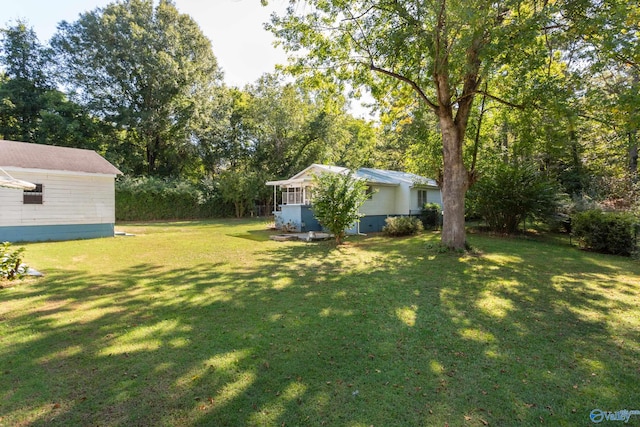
(402, 226)
(11, 266)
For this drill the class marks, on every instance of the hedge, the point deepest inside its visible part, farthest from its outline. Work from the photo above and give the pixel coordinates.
(606, 232)
(149, 198)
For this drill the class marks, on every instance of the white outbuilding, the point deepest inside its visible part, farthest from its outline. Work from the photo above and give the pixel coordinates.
(73, 196)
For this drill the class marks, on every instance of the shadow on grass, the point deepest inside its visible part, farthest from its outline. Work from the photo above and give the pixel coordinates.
(378, 332)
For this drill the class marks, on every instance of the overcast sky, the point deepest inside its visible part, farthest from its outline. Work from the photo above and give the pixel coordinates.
(235, 27)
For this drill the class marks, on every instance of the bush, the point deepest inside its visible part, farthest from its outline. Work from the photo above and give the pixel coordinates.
(609, 232)
(336, 202)
(511, 193)
(11, 266)
(430, 215)
(402, 226)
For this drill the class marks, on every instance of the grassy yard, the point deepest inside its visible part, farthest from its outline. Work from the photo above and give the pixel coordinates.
(210, 323)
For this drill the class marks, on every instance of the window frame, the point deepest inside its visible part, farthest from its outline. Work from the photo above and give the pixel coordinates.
(33, 197)
(422, 194)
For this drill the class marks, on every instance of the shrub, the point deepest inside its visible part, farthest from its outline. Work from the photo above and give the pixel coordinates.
(336, 201)
(511, 193)
(11, 266)
(607, 232)
(402, 226)
(430, 215)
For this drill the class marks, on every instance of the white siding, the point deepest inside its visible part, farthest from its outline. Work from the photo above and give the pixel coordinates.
(434, 196)
(67, 199)
(404, 198)
(383, 201)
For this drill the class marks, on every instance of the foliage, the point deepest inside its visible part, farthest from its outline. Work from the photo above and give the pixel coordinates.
(402, 226)
(152, 198)
(242, 188)
(430, 215)
(31, 110)
(149, 70)
(11, 266)
(440, 53)
(608, 232)
(336, 201)
(511, 193)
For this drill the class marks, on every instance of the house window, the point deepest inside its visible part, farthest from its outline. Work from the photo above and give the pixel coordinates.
(292, 196)
(32, 197)
(369, 192)
(422, 198)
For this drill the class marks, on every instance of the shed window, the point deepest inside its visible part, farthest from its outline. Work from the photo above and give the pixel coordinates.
(33, 197)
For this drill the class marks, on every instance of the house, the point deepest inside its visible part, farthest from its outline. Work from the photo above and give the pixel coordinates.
(391, 193)
(73, 198)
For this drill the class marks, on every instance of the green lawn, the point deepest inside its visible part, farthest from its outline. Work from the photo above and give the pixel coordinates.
(211, 323)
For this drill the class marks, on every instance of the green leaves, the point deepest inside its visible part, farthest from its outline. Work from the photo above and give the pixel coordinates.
(11, 267)
(336, 201)
(150, 70)
(511, 193)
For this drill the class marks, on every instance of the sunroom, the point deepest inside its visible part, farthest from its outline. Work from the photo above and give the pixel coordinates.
(292, 199)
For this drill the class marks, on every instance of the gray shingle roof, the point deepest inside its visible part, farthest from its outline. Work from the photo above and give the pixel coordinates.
(49, 157)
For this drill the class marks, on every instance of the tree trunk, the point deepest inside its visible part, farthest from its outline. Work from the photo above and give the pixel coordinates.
(455, 182)
(633, 155)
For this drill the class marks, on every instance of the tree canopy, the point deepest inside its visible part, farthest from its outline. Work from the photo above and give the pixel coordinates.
(147, 68)
(442, 50)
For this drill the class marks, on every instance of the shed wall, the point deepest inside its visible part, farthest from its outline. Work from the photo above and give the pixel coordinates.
(67, 199)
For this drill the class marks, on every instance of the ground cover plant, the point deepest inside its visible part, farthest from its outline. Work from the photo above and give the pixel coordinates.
(211, 323)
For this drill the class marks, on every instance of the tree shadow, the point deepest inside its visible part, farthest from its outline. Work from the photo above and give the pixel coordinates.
(377, 332)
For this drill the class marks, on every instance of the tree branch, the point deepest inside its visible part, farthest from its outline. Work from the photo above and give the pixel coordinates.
(411, 83)
(500, 100)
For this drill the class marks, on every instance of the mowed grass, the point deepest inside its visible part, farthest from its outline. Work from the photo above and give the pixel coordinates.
(211, 323)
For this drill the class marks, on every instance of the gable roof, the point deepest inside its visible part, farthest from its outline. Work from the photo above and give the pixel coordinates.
(381, 176)
(372, 176)
(50, 157)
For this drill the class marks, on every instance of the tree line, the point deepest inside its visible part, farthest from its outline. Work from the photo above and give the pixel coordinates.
(463, 90)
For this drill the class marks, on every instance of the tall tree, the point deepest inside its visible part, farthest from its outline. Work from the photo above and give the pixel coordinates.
(442, 49)
(23, 60)
(148, 69)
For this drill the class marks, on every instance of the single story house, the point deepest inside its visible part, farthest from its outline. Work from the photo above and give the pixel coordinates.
(73, 198)
(391, 193)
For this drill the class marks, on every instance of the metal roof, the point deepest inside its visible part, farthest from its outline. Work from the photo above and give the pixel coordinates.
(388, 177)
(50, 157)
(370, 175)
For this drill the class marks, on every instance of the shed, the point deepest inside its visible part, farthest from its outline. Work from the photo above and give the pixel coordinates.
(74, 196)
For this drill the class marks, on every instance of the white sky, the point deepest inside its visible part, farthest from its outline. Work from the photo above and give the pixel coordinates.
(244, 49)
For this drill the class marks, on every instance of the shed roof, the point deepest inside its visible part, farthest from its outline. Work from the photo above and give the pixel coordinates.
(50, 157)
